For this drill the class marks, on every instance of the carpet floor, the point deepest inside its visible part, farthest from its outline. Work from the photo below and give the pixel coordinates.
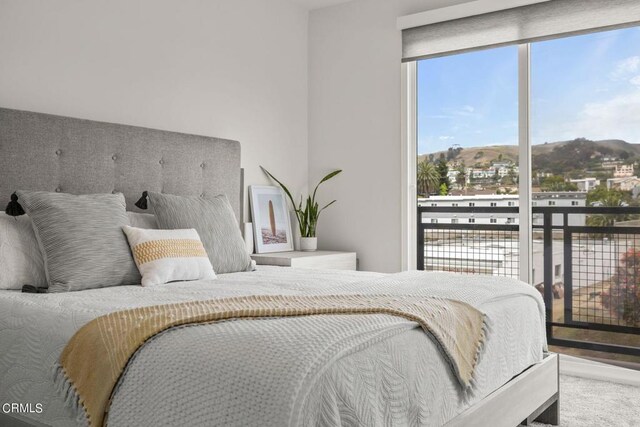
(591, 403)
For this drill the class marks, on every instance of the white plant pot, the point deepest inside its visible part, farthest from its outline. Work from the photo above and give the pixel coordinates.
(308, 244)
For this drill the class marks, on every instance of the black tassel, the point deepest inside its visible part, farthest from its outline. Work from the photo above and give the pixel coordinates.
(14, 208)
(142, 201)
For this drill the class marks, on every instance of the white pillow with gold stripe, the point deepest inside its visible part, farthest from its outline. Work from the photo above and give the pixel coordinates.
(164, 256)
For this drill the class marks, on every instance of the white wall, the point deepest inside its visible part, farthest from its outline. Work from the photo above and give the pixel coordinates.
(227, 68)
(235, 69)
(354, 124)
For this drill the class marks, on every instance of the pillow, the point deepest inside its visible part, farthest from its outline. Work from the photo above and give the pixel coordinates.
(81, 239)
(142, 220)
(214, 221)
(20, 258)
(164, 256)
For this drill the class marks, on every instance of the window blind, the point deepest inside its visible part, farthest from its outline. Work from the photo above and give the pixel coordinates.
(556, 18)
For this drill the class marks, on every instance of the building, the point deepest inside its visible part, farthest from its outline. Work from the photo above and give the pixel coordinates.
(558, 199)
(623, 171)
(483, 255)
(585, 184)
(624, 184)
(481, 173)
(609, 163)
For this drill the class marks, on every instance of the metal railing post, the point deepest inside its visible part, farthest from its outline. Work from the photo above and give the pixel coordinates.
(420, 242)
(568, 270)
(548, 270)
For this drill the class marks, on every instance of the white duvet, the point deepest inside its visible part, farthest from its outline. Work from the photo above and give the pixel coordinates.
(381, 370)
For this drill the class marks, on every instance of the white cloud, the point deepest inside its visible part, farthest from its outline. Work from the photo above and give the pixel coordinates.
(439, 116)
(446, 137)
(615, 118)
(464, 111)
(626, 68)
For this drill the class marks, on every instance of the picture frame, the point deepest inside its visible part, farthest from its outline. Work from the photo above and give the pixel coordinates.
(271, 219)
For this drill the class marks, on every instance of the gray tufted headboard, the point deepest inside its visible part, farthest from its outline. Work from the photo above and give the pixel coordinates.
(54, 153)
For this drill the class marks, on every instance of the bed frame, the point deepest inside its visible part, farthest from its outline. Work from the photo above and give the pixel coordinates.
(533, 395)
(53, 153)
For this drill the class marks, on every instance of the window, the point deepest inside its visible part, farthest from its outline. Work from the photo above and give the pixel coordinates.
(459, 120)
(583, 105)
(472, 220)
(455, 205)
(434, 221)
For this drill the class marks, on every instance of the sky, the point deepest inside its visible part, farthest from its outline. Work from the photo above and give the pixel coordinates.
(582, 86)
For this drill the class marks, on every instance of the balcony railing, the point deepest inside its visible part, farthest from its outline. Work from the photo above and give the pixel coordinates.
(586, 264)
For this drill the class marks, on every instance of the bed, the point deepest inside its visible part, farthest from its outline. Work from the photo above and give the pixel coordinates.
(339, 369)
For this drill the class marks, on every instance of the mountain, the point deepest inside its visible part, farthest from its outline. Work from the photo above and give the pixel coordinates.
(480, 155)
(556, 157)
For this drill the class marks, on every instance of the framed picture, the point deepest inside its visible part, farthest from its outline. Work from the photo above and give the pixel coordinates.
(271, 221)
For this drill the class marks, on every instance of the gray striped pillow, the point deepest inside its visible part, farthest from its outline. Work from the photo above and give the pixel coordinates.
(81, 239)
(214, 221)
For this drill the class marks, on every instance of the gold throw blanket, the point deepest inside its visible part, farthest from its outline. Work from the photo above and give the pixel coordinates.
(96, 356)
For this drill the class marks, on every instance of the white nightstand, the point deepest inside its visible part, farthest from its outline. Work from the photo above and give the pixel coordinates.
(330, 260)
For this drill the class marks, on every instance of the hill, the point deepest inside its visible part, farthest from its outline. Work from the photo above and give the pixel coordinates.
(555, 157)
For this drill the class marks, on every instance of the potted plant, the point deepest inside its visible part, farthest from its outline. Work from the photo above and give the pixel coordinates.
(307, 212)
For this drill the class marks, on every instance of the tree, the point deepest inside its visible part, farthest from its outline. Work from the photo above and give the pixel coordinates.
(623, 296)
(461, 177)
(557, 183)
(444, 190)
(602, 196)
(428, 178)
(443, 172)
(607, 197)
(453, 152)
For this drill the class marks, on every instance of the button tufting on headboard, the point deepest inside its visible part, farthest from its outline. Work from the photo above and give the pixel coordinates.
(97, 157)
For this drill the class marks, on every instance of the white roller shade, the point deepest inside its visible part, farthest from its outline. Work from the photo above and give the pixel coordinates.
(546, 20)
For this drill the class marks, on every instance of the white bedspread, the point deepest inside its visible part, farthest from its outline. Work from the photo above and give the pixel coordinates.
(393, 376)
